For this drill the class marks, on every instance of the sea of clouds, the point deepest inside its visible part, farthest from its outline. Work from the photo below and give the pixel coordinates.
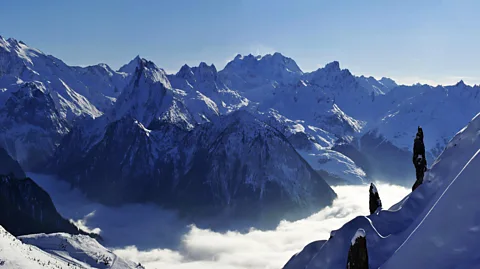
(157, 238)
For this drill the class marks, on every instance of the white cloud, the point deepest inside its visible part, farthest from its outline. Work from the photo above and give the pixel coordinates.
(139, 232)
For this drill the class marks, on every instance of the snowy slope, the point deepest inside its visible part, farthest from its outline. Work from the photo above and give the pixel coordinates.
(24, 63)
(314, 145)
(378, 87)
(257, 73)
(77, 249)
(202, 83)
(56, 251)
(17, 255)
(439, 110)
(79, 90)
(67, 92)
(30, 124)
(439, 218)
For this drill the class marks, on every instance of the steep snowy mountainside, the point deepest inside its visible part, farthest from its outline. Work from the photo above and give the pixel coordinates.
(439, 110)
(31, 125)
(388, 83)
(17, 255)
(314, 145)
(343, 89)
(447, 229)
(386, 142)
(319, 98)
(256, 73)
(304, 102)
(330, 104)
(150, 98)
(103, 79)
(202, 85)
(130, 67)
(439, 218)
(76, 90)
(241, 138)
(56, 251)
(78, 249)
(219, 166)
(378, 87)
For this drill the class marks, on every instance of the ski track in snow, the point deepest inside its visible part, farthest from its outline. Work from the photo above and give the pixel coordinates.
(438, 200)
(158, 239)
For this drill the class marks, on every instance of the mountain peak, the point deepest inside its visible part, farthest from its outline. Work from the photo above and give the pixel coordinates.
(130, 67)
(277, 65)
(12, 40)
(210, 68)
(461, 83)
(333, 66)
(185, 71)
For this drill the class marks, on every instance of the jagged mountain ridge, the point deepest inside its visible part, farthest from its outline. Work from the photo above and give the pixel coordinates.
(210, 96)
(317, 109)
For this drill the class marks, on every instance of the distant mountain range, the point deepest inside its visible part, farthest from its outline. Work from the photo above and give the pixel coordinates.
(259, 132)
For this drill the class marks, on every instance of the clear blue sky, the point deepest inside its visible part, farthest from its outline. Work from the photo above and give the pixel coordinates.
(427, 41)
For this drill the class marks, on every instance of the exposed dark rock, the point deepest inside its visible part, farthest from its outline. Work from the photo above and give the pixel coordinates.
(374, 199)
(28, 209)
(9, 166)
(358, 253)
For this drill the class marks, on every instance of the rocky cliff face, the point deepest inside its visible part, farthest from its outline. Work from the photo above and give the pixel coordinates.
(28, 209)
(358, 253)
(31, 126)
(9, 166)
(228, 165)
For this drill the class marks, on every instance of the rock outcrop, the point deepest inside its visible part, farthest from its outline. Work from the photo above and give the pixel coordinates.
(374, 199)
(358, 254)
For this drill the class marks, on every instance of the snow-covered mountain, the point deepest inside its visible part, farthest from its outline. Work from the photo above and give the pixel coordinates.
(40, 96)
(57, 251)
(257, 73)
(231, 163)
(378, 87)
(78, 90)
(347, 128)
(31, 126)
(433, 227)
(439, 110)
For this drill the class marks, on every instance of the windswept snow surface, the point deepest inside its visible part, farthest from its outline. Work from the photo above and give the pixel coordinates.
(434, 227)
(77, 249)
